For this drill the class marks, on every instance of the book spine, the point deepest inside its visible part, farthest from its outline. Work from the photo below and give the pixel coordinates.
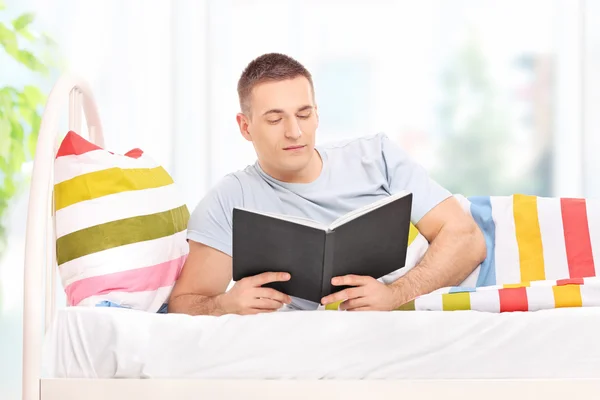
(328, 259)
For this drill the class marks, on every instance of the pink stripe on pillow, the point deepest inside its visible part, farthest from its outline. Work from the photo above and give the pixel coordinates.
(135, 280)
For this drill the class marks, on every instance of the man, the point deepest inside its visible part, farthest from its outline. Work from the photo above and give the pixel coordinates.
(293, 176)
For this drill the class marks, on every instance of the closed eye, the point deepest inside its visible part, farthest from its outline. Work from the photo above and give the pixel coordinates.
(273, 122)
(304, 116)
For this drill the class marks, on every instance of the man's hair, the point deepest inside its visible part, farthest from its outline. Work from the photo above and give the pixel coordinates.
(268, 67)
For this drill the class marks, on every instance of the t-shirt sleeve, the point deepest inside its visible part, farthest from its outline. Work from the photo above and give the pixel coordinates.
(403, 173)
(211, 221)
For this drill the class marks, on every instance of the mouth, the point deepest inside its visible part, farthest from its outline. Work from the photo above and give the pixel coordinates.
(294, 147)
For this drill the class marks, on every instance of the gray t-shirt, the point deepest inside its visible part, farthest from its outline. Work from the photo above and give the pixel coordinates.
(355, 172)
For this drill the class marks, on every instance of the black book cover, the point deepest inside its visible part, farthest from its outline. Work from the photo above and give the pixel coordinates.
(373, 243)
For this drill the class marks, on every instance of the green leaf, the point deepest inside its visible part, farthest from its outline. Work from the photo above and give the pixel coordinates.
(17, 132)
(33, 97)
(32, 144)
(24, 111)
(3, 166)
(8, 40)
(6, 101)
(9, 186)
(26, 34)
(28, 59)
(8, 91)
(23, 21)
(17, 157)
(5, 128)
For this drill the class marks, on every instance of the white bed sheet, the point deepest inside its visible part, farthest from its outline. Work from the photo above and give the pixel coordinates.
(118, 343)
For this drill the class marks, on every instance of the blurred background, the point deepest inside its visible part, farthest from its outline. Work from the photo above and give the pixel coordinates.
(492, 97)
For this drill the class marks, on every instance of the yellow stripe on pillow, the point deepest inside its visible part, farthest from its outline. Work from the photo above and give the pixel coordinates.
(108, 181)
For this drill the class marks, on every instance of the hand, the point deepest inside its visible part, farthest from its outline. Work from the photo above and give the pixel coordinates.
(248, 297)
(368, 294)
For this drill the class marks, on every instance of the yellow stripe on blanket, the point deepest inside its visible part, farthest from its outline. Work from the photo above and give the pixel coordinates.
(515, 285)
(413, 232)
(529, 238)
(567, 296)
(456, 301)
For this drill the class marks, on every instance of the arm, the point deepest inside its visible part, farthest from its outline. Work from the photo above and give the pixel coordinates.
(201, 287)
(457, 245)
(202, 283)
(457, 248)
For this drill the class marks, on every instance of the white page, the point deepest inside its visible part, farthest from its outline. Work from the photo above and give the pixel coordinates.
(291, 218)
(338, 222)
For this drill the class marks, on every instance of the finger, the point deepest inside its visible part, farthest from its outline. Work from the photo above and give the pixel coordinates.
(273, 294)
(266, 304)
(342, 295)
(351, 280)
(268, 277)
(352, 304)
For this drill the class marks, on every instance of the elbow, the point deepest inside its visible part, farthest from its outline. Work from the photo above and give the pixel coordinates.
(176, 302)
(473, 242)
(477, 243)
(173, 305)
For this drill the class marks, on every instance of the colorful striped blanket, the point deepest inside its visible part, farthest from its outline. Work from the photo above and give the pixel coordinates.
(542, 253)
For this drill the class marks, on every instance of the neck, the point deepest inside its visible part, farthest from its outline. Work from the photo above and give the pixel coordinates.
(306, 175)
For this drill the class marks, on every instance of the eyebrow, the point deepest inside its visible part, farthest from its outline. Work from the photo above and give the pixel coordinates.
(279, 111)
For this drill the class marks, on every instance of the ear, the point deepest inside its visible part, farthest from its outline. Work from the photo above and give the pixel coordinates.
(244, 124)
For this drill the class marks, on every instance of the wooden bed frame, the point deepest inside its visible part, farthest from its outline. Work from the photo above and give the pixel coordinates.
(40, 306)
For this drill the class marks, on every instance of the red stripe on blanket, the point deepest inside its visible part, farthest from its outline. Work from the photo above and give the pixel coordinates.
(513, 299)
(74, 145)
(572, 281)
(577, 238)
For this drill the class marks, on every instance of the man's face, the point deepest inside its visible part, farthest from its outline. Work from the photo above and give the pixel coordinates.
(282, 125)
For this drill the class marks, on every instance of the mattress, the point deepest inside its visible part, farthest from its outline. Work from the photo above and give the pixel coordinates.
(120, 343)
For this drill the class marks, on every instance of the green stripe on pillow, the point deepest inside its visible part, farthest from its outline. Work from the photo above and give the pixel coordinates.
(108, 181)
(120, 233)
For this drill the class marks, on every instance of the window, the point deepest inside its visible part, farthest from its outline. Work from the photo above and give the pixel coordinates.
(472, 89)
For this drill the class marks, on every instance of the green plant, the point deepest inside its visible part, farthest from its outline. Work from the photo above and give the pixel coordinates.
(20, 107)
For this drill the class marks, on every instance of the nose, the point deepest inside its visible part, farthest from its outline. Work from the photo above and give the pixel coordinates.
(292, 129)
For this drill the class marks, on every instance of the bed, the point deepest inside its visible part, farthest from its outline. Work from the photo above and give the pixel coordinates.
(78, 352)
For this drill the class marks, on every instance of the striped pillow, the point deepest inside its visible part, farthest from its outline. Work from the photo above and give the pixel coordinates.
(120, 227)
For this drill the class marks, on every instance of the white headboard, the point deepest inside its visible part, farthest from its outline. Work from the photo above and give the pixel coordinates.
(40, 250)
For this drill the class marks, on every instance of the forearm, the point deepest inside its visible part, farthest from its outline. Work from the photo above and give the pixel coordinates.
(196, 304)
(450, 259)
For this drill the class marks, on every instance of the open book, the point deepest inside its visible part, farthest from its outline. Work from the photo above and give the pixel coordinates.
(371, 240)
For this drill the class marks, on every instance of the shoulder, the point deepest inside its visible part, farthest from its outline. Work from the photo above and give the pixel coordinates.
(228, 188)
(232, 190)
